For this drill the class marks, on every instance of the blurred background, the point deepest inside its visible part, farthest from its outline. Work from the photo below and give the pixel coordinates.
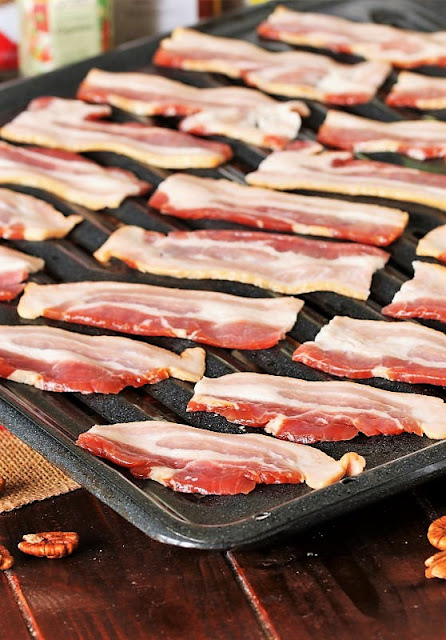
(40, 35)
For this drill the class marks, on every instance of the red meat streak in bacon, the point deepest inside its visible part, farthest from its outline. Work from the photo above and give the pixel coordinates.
(292, 73)
(199, 461)
(235, 112)
(57, 171)
(418, 91)
(73, 125)
(204, 316)
(25, 217)
(57, 360)
(422, 297)
(421, 139)
(406, 352)
(434, 244)
(185, 196)
(283, 263)
(303, 411)
(14, 270)
(402, 48)
(305, 165)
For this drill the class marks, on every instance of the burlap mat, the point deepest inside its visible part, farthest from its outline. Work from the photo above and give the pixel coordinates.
(28, 476)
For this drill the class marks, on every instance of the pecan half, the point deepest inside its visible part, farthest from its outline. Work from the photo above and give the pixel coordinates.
(436, 566)
(6, 559)
(436, 534)
(49, 544)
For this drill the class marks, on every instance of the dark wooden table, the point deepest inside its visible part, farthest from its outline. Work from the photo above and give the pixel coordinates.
(361, 576)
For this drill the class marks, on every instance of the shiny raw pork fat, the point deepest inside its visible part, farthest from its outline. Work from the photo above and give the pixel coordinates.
(57, 360)
(295, 74)
(380, 42)
(402, 351)
(235, 112)
(283, 263)
(73, 125)
(195, 460)
(209, 317)
(192, 197)
(305, 411)
(422, 297)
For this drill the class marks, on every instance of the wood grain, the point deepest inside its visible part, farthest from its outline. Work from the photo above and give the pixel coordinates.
(361, 576)
(12, 623)
(120, 584)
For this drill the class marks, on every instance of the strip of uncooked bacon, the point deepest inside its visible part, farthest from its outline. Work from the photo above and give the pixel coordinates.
(308, 166)
(303, 411)
(235, 112)
(194, 460)
(422, 297)
(434, 244)
(213, 318)
(279, 262)
(296, 74)
(57, 360)
(402, 351)
(187, 196)
(15, 267)
(420, 139)
(68, 175)
(381, 42)
(24, 217)
(418, 91)
(73, 125)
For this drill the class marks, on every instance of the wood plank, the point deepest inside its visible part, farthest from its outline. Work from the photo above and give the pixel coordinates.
(120, 584)
(360, 576)
(12, 624)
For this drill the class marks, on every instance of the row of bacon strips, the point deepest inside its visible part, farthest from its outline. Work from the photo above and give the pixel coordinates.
(32, 355)
(311, 251)
(291, 408)
(299, 74)
(401, 48)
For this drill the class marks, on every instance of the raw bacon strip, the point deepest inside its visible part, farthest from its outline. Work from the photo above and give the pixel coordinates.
(293, 74)
(380, 42)
(24, 217)
(434, 244)
(57, 360)
(235, 112)
(72, 125)
(187, 196)
(279, 262)
(194, 460)
(402, 351)
(214, 318)
(302, 411)
(420, 139)
(418, 91)
(422, 297)
(309, 167)
(68, 175)
(15, 267)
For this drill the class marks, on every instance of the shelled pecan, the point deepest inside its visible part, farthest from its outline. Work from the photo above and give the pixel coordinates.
(6, 559)
(436, 566)
(436, 533)
(49, 544)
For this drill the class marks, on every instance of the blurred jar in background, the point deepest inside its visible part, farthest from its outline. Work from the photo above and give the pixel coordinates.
(9, 33)
(57, 32)
(139, 18)
(210, 8)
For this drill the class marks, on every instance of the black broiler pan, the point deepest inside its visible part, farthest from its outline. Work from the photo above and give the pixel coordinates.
(51, 422)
